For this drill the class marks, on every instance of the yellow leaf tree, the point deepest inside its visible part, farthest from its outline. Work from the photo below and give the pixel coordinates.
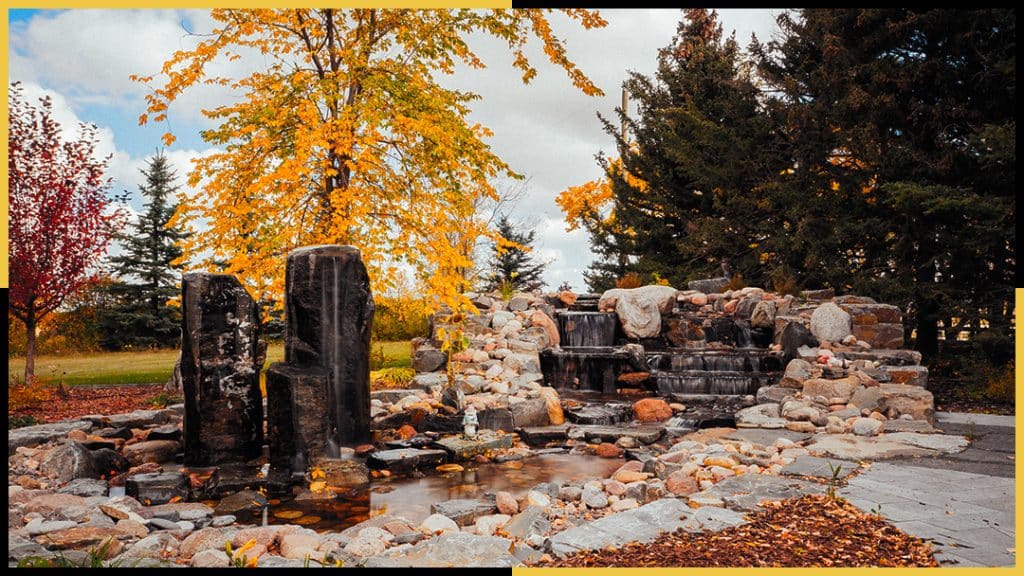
(343, 135)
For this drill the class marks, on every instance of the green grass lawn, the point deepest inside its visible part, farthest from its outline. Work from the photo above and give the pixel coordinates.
(154, 367)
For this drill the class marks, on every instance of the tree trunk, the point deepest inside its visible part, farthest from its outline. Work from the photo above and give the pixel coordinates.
(30, 347)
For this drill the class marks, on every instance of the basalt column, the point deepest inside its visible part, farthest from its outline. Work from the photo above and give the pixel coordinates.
(220, 366)
(319, 398)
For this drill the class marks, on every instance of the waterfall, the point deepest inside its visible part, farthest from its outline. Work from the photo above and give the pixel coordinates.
(587, 329)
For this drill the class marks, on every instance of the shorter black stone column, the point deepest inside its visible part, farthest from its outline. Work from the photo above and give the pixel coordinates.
(296, 415)
(220, 367)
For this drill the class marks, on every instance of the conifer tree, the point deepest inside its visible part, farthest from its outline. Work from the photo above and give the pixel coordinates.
(148, 269)
(513, 266)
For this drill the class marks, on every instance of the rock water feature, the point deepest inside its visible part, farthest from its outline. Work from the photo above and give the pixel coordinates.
(319, 397)
(624, 450)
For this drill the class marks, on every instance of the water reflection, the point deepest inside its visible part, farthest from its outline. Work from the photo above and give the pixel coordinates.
(412, 497)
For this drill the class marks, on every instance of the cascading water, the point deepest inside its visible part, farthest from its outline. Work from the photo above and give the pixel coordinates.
(587, 329)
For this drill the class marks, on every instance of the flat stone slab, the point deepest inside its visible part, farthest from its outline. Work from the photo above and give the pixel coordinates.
(815, 467)
(767, 437)
(747, 492)
(463, 511)
(644, 434)
(30, 436)
(393, 395)
(406, 459)
(713, 519)
(851, 447)
(899, 425)
(452, 549)
(642, 524)
(544, 435)
(967, 418)
(136, 419)
(948, 443)
(462, 448)
(606, 415)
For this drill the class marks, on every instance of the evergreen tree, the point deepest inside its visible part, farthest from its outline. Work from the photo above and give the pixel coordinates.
(514, 265)
(900, 124)
(142, 317)
(686, 186)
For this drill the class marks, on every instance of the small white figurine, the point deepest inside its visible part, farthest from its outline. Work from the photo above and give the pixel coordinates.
(469, 422)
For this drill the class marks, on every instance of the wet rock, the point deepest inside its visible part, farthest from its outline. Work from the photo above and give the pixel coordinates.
(606, 415)
(463, 511)
(506, 503)
(403, 460)
(69, 461)
(643, 434)
(219, 372)
(461, 448)
(157, 451)
(652, 410)
(239, 502)
(167, 432)
(158, 487)
(793, 336)
(450, 549)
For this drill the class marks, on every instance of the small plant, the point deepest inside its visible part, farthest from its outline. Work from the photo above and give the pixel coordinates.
(507, 289)
(238, 558)
(833, 482)
(565, 287)
(394, 377)
(378, 358)
(877, 510)
(94, 559)
(971, 431)
(630, 280)
(21, 420)
(21, 395)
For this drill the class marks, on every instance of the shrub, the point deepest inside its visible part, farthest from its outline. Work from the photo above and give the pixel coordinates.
(736, 282)
(21, 395)
(21, 420)
(1002, 384)
(399, 318)
(386, 378)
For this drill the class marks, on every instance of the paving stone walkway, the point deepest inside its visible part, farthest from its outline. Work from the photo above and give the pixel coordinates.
(969, 517)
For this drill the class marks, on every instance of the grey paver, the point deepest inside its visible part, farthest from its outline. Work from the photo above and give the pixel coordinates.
(978, 419)
(815, 467)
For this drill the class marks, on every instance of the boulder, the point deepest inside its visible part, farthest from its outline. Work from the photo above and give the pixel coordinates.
(652, 410)
(69, 461)
(542, 320)
(428, 359)
(763, 315)
(898, 398)
(830, 322)
(157, 451)
(866, 427)
(639, 309)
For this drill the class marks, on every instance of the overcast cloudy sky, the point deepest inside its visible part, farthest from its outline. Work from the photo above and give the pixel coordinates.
(547, 130)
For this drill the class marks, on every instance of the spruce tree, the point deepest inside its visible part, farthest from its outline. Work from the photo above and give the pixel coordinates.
(513, 265)
(686, 185)
(900, 123)
(142, 317)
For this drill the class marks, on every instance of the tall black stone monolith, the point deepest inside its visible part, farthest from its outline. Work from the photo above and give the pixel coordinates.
(319, 398)
(220, 366)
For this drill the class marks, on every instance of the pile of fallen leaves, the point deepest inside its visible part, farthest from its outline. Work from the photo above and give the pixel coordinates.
(810, 531)
(82, 400)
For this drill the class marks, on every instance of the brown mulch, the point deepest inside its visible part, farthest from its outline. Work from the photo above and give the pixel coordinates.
(82, 400)
(811, 531)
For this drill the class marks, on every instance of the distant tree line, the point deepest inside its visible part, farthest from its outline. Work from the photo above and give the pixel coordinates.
(867, 150)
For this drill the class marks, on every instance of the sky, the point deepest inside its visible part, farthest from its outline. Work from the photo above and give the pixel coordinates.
(548, 131)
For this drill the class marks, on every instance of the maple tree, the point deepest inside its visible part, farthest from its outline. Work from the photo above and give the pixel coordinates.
(61, 219)
(345, 136)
